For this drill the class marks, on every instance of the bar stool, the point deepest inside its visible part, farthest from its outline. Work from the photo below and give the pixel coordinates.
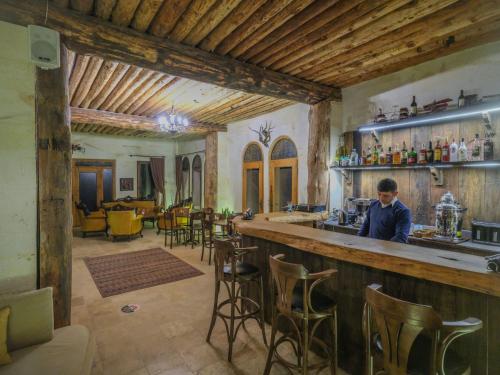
(207, 235)
(195, 227)
(411, 338)
(235, 274)
(299, 303)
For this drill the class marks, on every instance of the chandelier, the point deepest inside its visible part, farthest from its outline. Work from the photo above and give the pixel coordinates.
(172, 122)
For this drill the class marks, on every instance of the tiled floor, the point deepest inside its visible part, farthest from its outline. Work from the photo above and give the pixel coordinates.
(166, 336)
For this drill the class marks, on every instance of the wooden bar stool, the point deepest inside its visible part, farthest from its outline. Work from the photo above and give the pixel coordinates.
(410, 338)
(235, 274)
(297, 300)
(207, 235)
(195, 227)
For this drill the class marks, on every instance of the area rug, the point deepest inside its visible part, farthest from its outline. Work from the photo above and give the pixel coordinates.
(121, 273)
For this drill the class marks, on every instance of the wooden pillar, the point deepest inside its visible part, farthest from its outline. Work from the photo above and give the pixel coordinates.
(54, 186)
(317, 152)
(210, 179)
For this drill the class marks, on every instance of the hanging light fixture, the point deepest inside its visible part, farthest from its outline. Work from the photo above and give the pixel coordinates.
(172, 122)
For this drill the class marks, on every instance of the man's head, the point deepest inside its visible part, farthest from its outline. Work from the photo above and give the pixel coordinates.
(387, 190)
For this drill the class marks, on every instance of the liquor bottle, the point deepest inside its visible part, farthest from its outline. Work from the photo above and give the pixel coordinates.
(488, 148)
(438, 153)
(445, 152)
(375, 156)
(430, 153)
(388, 156)
(338, 152)
(353, 160)
(396, 156)
(412, 156)
(462, 151)
(422, 155)
(461, 99)
(476, 149)
(404, 154)
(368, 160)
(362, 159)
(413, 107)
(381, 157)
(453, 151)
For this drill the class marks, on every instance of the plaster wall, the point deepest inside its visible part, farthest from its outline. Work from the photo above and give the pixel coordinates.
(18, 193)
(189, 149)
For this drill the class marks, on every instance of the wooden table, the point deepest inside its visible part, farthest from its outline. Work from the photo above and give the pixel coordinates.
(455, 284)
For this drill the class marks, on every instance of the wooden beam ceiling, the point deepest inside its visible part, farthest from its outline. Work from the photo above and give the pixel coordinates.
(90, 35)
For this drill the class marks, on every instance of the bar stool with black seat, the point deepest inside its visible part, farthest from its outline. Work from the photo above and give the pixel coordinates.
(298, 302)
(411, 338)
(235, 274)
(207, 235)
(195, 227)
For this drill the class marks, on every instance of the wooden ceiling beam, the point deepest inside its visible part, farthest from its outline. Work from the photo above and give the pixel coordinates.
(129, 77)
(78, 71)
(100, 81)
(87, 80)
(136, 93)
(84, 6)
(104, 8)
(124, 11)
(112, 82)
(131, 122)
(143, 76)
(194, 13)
(91, 35)
(149, 93)
(168, 15)
(157, 97)
(145, 13)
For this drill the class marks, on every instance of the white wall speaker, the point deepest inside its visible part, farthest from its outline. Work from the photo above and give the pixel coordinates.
(44, 47)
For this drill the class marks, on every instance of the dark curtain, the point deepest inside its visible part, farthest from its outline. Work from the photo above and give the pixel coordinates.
(158, 174)
(178, 178)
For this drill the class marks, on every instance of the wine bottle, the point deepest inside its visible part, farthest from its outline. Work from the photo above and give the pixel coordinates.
(404, 154)
(430, 153)
(476, 149)
(461, 99)
(413, 107)
(422, 155)
(382, 157)
(488, 148)
(445, 152)
(375, 156)
(412, 156)
(388, 156)
(437, 152)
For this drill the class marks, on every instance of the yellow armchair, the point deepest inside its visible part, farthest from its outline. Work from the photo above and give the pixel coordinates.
(124, 223)
(94, 222)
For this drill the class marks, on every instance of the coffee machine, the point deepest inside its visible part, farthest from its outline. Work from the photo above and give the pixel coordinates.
(354, 212)
(362, 205)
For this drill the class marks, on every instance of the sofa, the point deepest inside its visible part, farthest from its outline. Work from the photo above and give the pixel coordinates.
(91, 221)
(145, 207)
(33, 344)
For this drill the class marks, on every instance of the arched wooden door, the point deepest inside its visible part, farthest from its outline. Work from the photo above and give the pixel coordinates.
(253, 178)
(283, 174)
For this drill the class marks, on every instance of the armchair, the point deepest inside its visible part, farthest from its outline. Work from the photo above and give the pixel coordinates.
(125, 223)
(91, 221)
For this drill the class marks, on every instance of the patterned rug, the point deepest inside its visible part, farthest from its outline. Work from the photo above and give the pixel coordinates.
(121, 273)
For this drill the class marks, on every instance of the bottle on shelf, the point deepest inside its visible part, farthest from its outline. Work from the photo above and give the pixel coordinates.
(353, 160)
(438, 152)
(338, 152)
(362, 158)
(375, 156)
(461, 99)
(488, 151)
(396, 156)
(453, 151)
(404, 154)
(388, 156)
(368, 160)
(413, 107)
(382, 159)
(462, 151)
(430, 153)
(412, 156)
(422, 155)
(476, 149)
(445, 152)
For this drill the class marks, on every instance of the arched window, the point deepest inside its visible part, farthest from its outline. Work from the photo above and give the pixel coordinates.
(253, 178)
(185, 178)
(197, 181)
(283, 174)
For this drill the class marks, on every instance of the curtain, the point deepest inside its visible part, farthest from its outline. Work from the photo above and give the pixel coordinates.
(158, 174)
(178, 178)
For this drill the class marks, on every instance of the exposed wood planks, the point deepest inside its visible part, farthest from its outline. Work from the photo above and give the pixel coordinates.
(118, 73)
(190, 18)
(101, 80)
(167, 17)
(123, 12)
(103, 8)
(87, 80)
(145, 13)
(129, 77)
(78, 71)
(84, 6)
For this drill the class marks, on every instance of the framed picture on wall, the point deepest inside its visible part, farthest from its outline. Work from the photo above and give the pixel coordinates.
(126, 184)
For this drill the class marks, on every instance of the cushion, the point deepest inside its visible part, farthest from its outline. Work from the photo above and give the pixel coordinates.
(70, 352)
(31, 318)
(242, 269)
(82, 206)
(4, 319)
(320, 302)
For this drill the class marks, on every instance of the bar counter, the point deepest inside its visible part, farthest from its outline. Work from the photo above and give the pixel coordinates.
(456, 284)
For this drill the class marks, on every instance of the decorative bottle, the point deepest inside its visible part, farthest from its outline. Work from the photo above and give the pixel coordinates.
(382, 159)
(422, 155)
(388, 156)
(461, 99)
(445, 152)
(476, 149)
(438, 152)
(413, 107)
(453, 151)
(462, 151)
(353, 160)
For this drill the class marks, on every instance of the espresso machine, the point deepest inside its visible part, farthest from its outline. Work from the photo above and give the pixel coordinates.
(449, 218)
(354, 212)
(362, 205)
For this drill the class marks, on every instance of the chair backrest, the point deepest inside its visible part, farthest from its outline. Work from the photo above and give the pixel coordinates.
(286, 276)
(208, 210)
(399, 323)
(181, 215)
(168, 217)
(224, 254)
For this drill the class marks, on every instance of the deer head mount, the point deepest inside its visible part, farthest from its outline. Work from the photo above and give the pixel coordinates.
(264, 133)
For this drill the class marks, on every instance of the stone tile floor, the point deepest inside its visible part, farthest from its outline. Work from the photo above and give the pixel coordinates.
(166, 336)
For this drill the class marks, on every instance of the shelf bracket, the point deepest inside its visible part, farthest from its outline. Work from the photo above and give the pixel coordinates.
(347, 176)
(437, 176)
(375, 137)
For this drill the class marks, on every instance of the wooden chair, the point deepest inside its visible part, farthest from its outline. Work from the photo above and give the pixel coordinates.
(298, 302)
(181, 219)
(171, 227)
(207, 235)
(195, 227)
(411, 338)
(235, 274)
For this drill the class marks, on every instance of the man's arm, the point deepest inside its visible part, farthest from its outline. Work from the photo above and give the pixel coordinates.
(365, 228)
(403, 225)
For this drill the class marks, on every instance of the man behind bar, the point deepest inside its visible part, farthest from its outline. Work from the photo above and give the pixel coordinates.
(387, 218)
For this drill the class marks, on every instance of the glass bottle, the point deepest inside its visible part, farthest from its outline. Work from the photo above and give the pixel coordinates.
(488, 150)
(461, 99)
(445, 152)
(412, 156)
(422, 155)
(430, 153)
(396, 156)
(413, 107)
(362, 159)
(404, 154)
(368, 160)
(462, 151)
(375, 156)
(438, 152)
(453, 151)
(353, 160)
(388, 156)
(381, 157)
(476, 149)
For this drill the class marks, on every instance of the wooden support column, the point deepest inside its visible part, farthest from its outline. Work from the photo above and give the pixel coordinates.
(54, 186)
(317, 152)
(210, 178)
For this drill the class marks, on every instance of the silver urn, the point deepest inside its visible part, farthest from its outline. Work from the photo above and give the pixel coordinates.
(449, 217)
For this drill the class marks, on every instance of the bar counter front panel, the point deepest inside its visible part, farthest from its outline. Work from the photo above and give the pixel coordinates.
(457, 285)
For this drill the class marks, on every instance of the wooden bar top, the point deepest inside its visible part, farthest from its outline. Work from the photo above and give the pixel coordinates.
(447, 267)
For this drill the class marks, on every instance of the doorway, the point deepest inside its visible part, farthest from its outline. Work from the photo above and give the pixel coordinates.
(93, 183)
(197, 182)
(283, 175)
(253, 179)
(145, 182)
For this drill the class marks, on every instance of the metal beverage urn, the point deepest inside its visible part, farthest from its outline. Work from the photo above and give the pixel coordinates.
(449, 217)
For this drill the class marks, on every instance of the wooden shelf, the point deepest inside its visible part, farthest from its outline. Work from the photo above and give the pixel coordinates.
(462, 164)
(475, 111)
